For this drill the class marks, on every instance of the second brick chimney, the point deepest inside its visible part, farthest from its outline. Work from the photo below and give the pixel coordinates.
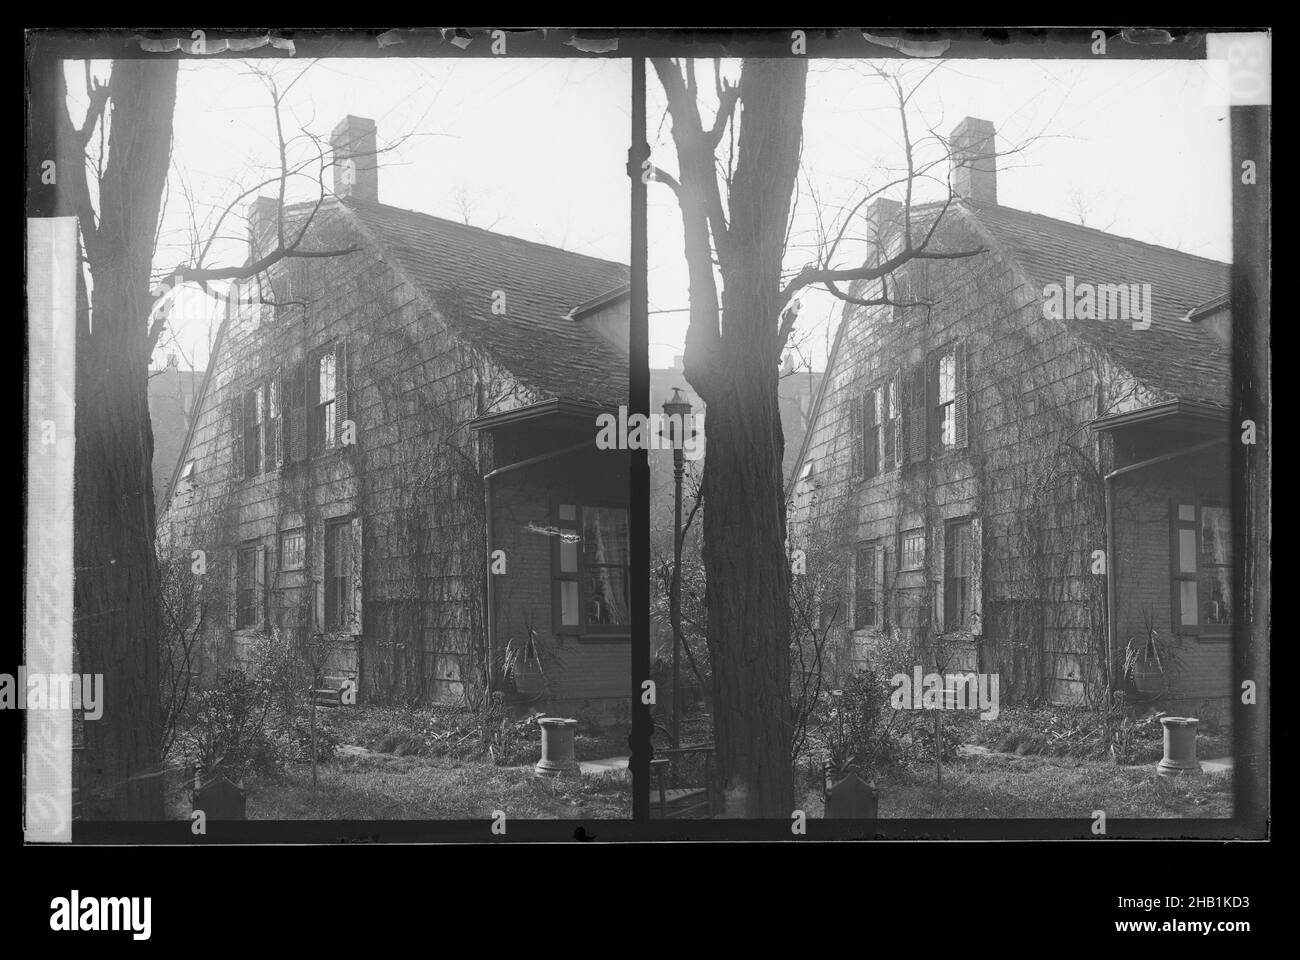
(356, 164)
(974, 161)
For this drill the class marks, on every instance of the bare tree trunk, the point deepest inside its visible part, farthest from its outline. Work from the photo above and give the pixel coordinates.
(748, 600)
(116, 594)
(731, 360)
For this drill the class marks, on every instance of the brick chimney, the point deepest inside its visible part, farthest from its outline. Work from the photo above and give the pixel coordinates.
(885, 231)
(261, 226)
(974, 164)
(356, 166)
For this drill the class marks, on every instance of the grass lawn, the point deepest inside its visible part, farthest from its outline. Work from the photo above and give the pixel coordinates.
(1002, 787)
(386, 787)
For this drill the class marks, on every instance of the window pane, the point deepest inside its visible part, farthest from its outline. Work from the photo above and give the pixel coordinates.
(326, 385)
(1216, 596)
(947, 378)
(1186, 511)
(568, 554)
(606, 602)
(1186, 551)
(1216, 538)
(1187, 602)
(327, 425)
(568, 511)
(604, 535)
(947, 426)
(958, 554)
(913, 549)
(273, 392)
(259, 405)
(569, 603)
(864, 588)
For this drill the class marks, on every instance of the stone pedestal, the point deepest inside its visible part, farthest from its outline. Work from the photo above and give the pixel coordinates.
(1180, 746)
(557, 747)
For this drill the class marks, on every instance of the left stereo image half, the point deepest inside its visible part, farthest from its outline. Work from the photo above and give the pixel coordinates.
(345, 545)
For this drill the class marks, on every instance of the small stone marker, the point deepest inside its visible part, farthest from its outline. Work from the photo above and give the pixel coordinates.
(219, 799)
(851, 799)
(557, 747)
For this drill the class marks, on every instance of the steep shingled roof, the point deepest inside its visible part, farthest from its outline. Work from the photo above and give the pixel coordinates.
(458, 267)
(1174, 356)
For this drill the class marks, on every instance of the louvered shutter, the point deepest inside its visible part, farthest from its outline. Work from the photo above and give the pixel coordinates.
(314, 441)
(250, 416)
(233, 578)
(960, 404)
(354, 557)
(900, 451)
(277, 422)
(940, 582)
(888, 424)
(870, 445)
(319, 572)
(298, 415)
(880, 586)
(259, 586)
(904, 417)
(917, 446)
(237, 436)
(855, 434)
(976, 576)
(852, 605)
(934, 432)
(340, 390)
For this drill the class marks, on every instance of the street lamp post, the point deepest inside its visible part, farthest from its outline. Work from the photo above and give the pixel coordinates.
(677, 411)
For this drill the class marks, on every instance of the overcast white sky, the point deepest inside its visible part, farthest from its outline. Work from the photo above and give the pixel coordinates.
(1135, 141)
(538, 148)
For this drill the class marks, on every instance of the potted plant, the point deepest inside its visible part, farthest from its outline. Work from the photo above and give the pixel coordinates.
(1150, 662)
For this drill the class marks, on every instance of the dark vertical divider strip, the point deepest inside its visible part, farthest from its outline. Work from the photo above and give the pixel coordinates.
(639, 402)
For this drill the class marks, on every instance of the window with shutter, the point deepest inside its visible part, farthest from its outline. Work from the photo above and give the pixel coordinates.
(297, 423)
(275, 434)
(870, 434)
(958, 571)
(937, 567)
(961, 403)
(855, 435)
(889, 424)
(261, 594)
(254, 414)
(868, 581)
(237, 435)
(323, 412)
(232, 586)
(338, 573)
(355, 573)
(917, 421)
(340, 390)
(249, 585)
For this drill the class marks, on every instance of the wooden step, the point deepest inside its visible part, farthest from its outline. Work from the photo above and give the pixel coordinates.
(327, 697)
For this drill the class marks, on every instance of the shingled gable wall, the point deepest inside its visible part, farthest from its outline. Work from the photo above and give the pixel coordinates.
(414, 475)
(1029, 473)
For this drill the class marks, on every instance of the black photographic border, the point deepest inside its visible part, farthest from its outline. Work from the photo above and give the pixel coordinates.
(1250, 128)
